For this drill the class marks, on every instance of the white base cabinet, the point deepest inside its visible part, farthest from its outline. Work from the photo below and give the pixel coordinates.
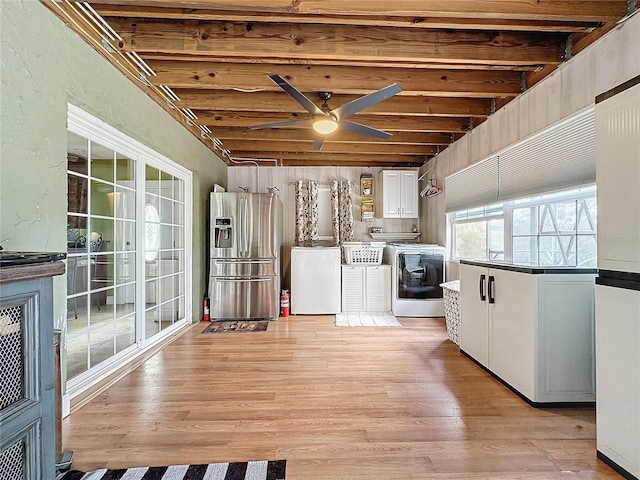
(533, 330)
(366, 288)
(618, 376)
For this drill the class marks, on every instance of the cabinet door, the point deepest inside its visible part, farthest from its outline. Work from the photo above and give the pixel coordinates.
(512, 317)
(409, 194)
(378, 286)
(474, 327)
(566, 339)
(618, 180)
(27, 393)
(353, 288)
(618, 375)
(391, 193)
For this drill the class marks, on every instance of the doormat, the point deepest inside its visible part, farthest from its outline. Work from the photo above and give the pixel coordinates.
(366, 319)
(261, 470)
(237, 326)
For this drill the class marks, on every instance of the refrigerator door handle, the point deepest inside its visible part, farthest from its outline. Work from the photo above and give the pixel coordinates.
(245, 225)
(241, 224)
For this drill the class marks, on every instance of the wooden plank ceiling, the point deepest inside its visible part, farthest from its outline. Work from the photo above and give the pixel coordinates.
(457, 61)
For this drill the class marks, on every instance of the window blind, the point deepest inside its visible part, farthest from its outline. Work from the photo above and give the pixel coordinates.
(473, 186)
(559, 157)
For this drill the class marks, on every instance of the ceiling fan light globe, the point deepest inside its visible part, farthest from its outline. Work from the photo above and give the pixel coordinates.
(325, 126)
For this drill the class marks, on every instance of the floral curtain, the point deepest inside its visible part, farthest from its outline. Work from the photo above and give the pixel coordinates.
(306, 197)
(341, 211)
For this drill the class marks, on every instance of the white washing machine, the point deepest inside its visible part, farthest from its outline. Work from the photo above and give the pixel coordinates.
(315, 280)
(417, 272)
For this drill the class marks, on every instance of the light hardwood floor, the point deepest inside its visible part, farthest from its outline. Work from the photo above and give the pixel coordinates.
(336, 403)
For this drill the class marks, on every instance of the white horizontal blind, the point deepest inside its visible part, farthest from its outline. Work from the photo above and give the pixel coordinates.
(559, 157)
(473, 186)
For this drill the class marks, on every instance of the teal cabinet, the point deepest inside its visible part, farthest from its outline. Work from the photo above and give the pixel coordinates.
(27, 387)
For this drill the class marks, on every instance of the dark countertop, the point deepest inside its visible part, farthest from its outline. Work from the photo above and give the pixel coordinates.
(531, 269)
(30, 271)
(625, 280)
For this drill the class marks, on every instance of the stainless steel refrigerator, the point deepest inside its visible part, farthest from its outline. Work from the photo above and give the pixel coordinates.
(246, 237)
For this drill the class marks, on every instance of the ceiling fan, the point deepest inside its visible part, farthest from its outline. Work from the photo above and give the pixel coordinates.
(325, 120)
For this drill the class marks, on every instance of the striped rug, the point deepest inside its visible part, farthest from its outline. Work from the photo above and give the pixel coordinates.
(260, 470)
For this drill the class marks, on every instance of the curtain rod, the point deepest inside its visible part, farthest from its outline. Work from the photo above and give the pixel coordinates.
(325, 184)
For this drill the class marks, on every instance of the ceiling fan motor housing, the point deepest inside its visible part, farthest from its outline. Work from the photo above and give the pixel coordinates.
(326, 120)
(325, 96)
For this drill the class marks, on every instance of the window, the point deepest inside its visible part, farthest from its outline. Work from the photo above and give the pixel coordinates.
(556, 229)
(479, 233)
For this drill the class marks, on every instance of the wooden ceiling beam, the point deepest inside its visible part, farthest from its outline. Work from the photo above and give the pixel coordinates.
(246, 39)
(589, 10)
(254, 77)
(217, 100)
(239, 146)
(343, 162)
(409, 21)
(333, 61)
(301, 134)
(330, 158)
(388, 123)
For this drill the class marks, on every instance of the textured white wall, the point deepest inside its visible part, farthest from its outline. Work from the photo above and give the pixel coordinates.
(44, 65)
(608, 62)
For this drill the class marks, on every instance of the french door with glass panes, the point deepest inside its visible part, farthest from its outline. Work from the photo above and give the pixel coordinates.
(127, 242)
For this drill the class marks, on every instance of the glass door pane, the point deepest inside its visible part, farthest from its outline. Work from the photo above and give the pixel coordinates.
(164, 250)
(101, 276)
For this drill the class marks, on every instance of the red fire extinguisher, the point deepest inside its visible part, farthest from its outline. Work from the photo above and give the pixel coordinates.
(284, 303)
(205, 308)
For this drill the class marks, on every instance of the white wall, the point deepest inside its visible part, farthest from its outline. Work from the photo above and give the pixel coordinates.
(44, 65)
(610, 61)
(283, 177)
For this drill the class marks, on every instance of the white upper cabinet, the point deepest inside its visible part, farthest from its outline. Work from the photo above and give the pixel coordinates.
(399, 193)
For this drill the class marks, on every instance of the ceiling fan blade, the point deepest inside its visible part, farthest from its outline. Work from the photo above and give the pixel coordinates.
(317, 145)
(359, 128)
(366, 101)
(298, 96)
(281, 124)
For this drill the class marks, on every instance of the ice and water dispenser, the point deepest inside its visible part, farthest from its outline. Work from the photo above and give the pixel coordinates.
(223, 237)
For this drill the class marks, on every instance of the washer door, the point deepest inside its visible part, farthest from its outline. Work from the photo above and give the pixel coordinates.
(419, 275)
